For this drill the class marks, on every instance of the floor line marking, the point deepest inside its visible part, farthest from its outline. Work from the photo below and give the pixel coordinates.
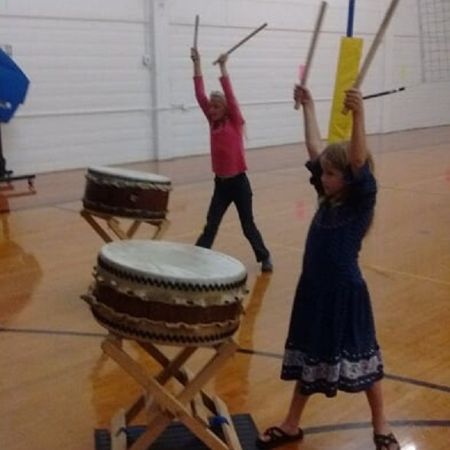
(247, 351)
(406, 274)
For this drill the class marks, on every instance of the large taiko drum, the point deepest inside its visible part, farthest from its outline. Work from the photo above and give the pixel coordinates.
(167, 292)
(126, 193)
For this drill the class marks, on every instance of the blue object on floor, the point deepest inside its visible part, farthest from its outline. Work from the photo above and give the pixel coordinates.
(218, 420)
(177, 436)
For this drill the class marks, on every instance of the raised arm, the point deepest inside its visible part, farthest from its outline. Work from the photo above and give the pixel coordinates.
(358, 151)
(199, 86)
(234, 111)
(223, 65)
(313, 140)
(195, 56)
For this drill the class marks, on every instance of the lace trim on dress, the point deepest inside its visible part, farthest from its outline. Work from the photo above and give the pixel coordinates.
(332, 372)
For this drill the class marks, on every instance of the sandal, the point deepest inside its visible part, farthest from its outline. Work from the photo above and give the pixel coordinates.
(384, 441)
(278, 437)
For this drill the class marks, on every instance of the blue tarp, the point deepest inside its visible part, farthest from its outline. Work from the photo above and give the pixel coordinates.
(13, 87)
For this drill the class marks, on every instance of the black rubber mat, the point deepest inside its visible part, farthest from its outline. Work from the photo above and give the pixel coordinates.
(177, 436)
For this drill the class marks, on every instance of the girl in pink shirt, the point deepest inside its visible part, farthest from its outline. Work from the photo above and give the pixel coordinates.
(231, 184)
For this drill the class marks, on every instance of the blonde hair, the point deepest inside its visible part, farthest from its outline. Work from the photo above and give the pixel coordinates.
(218, 95)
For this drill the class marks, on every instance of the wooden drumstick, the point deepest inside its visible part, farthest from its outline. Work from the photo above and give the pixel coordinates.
(232, 49)
(374, 47)
(197, 21)
(312, 47)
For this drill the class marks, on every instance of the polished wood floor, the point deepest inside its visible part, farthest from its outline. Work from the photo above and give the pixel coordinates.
(56, 387)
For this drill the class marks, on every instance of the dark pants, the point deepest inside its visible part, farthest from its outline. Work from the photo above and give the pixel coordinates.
(235, 190)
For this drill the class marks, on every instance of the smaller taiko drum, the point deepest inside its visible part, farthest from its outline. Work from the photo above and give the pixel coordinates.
(126, 193)
(166, 292)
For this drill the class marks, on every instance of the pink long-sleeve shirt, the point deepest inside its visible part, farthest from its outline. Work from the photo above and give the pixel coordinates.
(227, 142)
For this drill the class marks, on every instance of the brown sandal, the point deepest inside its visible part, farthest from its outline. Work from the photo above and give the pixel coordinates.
(384, 441)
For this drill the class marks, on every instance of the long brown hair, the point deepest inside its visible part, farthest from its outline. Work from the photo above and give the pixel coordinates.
(337, 156)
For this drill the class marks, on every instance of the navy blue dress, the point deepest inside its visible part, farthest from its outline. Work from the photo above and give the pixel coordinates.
(331, 344)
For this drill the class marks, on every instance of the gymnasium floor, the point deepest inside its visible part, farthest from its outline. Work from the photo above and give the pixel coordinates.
(56, 387)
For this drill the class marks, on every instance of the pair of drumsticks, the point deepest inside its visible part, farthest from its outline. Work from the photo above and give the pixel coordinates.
(304, 72)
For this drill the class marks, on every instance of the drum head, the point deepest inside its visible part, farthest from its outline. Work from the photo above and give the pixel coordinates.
(171, 264)
(127, 175)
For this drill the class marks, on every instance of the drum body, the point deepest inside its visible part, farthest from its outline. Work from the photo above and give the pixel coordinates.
(126, 193)
(167, 292)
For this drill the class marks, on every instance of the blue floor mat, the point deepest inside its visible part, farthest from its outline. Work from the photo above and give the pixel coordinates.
(178, 437)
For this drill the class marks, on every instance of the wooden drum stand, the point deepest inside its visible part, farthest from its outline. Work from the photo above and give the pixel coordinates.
(190, 406)
(170, 294)
(113, 224)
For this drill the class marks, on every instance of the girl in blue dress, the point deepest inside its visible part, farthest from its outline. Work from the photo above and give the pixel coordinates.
(331, 344)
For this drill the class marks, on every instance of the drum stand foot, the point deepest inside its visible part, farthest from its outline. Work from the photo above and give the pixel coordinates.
(191, 405)
(113, 225)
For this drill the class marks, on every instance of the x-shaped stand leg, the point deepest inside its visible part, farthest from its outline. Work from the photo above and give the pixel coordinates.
(114, 225)
(166, 406)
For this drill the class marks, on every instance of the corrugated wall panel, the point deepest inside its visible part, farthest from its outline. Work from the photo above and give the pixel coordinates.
(89, 100)
(264, 70)
(130, 10)
(43, 145)
(91, 96)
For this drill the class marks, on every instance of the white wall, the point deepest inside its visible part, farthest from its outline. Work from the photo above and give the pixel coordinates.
(89, 97)
(265, 69)
(92, 100)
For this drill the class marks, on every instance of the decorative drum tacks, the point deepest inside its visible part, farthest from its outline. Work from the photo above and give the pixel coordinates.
(167, 292)
(126, 193)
